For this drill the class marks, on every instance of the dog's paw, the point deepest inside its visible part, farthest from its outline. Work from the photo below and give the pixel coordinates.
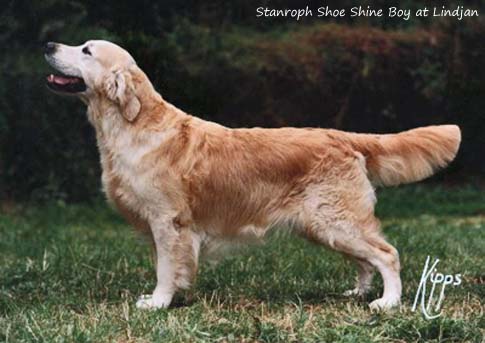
(354, 292)
(151, 302)
(383, 304)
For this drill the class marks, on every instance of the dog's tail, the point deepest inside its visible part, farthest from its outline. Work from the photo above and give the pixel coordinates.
(409, 156)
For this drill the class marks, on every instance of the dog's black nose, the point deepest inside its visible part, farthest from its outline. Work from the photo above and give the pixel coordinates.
(49, 48)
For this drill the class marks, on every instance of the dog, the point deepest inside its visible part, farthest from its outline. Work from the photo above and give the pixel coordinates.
(189, 183)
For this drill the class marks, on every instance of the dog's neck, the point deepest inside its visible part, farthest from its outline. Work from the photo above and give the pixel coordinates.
(155, 113)
(115, 135)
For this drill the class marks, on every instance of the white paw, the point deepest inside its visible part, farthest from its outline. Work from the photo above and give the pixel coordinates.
(356, 291)
(383, 304)
(149, 301)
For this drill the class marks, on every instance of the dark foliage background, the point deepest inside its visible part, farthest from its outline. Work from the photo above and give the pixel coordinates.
(217, 60)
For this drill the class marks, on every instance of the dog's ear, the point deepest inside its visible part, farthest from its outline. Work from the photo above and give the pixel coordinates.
(120, 89)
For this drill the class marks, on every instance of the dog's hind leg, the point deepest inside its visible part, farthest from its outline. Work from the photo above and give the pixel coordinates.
(340, 214)
(371, 250)
(386, 259)
(364, 278)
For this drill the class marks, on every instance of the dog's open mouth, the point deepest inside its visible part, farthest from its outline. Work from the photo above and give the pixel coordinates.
(66, 83)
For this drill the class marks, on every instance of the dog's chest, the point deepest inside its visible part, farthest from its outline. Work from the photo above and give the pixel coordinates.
(129, 170)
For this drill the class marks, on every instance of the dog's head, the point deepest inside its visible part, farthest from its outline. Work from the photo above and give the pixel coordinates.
(95, 69)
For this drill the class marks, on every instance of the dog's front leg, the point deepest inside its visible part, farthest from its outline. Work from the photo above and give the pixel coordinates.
(165, 237)
(177, 251)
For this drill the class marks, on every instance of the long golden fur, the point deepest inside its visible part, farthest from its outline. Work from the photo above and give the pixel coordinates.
(190, 183)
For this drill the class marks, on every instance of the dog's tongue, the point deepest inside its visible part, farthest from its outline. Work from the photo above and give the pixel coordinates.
(61, 80)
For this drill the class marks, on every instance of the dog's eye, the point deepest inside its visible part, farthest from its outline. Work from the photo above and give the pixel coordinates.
(86, 51)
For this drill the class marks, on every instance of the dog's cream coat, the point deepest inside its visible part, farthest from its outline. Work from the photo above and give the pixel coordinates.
(187, 182)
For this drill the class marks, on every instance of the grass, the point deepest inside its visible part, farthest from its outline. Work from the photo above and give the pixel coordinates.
(73, 272)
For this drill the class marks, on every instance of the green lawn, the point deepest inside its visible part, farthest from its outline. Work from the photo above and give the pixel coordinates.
(73, 273)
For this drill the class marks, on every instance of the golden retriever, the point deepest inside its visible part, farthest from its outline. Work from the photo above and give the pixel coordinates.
(190, 183)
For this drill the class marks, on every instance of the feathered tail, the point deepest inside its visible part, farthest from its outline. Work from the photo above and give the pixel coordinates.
(409, 156)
